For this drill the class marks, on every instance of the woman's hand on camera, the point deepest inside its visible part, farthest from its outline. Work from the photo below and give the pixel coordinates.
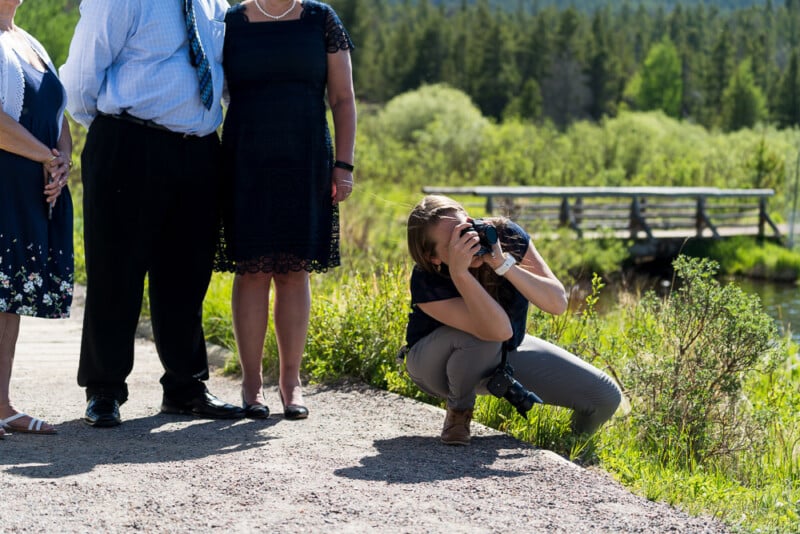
(461, 248)
(496, 258)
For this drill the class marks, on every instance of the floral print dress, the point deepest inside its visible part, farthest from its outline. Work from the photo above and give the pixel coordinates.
(36, 253)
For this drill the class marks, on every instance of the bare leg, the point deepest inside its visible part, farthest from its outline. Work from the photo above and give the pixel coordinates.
(292, 311)
(9, 332)
(250, 308)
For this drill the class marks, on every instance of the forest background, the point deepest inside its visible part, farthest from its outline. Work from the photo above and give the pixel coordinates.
(575, 93)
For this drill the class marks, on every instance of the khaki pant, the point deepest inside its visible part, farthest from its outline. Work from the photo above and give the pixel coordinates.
(454, 365)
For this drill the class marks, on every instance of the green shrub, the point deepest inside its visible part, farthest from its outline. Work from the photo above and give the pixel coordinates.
(440, 125)
(689, 356)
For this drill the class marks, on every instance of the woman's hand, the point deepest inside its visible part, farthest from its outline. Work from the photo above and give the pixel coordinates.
(58, 166)
(461, 249)
(342, 184)
(496, 258)
(56, 172)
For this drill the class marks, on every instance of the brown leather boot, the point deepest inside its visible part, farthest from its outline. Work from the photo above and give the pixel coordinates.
(456, 427)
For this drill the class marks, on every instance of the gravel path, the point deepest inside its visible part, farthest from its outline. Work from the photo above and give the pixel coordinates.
(364, 461)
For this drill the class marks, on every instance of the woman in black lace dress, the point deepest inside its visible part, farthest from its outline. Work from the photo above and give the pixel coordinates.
(285, 177)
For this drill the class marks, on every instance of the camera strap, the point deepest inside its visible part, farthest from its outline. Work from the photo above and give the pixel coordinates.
(504, 354)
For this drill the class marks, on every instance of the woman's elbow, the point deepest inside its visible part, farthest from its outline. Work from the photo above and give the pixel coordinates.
(559, 303)
(502, 333)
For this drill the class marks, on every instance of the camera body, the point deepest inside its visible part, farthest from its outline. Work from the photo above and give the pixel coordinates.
(503, 384)
(487, 234)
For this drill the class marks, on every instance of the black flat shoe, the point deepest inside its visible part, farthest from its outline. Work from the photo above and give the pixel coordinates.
(206, 405)
(102, 411)
(254, 411)
(293, 411)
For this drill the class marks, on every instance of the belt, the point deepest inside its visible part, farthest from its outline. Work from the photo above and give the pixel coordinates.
(125, 116)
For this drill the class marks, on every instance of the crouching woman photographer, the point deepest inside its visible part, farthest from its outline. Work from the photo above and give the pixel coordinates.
(466, 335)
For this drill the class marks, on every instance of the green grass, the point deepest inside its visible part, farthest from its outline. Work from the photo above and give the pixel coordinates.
(747, 256)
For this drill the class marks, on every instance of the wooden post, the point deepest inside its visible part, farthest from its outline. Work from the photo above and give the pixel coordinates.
(763, 219)
(702, 220)
(637, 221)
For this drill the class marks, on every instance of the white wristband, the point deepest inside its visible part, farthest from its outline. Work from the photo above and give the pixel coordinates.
(503, 269)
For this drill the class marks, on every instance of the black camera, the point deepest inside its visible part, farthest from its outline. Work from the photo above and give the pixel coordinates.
(502, 384)
(487, 234)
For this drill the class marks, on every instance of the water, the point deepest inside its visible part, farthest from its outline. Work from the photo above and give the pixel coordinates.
(780, 301)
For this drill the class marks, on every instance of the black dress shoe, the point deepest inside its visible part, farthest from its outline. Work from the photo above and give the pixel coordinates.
(102, 411)
(205, 405)
(293, 411)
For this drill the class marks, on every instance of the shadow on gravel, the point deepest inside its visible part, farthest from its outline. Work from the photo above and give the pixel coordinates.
(431, 460)
(78, 448)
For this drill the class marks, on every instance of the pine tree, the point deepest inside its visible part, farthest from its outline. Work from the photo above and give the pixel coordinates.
(604, 75)
(787, 112)
(719, 72)
(527, 104)
(743, 103)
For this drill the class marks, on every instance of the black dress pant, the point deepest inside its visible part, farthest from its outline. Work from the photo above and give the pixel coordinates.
(150, 207)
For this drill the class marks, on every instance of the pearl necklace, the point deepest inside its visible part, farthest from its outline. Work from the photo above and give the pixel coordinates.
(274, 17)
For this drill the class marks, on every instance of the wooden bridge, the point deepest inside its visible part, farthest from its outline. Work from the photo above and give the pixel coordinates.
(638, 213)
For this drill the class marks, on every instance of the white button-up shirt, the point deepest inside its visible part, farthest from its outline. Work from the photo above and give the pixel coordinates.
(133, 56)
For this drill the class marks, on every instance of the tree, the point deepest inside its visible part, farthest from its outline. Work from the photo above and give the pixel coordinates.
(431, 50)
(605, 77)
(565, 92)
(527, 104)
(743, 103)
(52, 23)
(660, 84)
(719, 72)
(787, 111)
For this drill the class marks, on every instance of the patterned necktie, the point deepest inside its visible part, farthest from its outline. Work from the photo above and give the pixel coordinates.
(198, 56)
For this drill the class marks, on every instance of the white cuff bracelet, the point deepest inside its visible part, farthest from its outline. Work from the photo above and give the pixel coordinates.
(503, 269)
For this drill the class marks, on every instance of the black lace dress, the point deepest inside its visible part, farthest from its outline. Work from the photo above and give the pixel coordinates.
(278, 214)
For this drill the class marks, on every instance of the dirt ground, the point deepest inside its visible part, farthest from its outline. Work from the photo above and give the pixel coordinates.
(364, 461)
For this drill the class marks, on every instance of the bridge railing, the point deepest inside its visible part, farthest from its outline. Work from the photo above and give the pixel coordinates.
(635, 212)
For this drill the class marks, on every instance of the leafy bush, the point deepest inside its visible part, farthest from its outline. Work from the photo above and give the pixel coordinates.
(409, 114)
(689, 355)
(441, 124)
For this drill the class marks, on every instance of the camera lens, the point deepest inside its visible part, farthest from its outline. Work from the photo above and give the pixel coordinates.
(522, 399)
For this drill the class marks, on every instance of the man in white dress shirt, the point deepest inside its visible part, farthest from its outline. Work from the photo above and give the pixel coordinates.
(145, 77)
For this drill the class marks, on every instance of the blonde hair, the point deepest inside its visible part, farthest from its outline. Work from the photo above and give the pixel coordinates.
(425, 215)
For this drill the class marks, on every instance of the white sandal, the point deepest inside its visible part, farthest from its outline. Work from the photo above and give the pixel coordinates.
(34, 427)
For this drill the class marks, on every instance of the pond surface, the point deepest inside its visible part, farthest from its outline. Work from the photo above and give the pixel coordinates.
(780, 301)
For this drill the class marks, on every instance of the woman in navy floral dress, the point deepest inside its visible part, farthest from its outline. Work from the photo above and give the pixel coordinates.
(285, 178)
(36, 255)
